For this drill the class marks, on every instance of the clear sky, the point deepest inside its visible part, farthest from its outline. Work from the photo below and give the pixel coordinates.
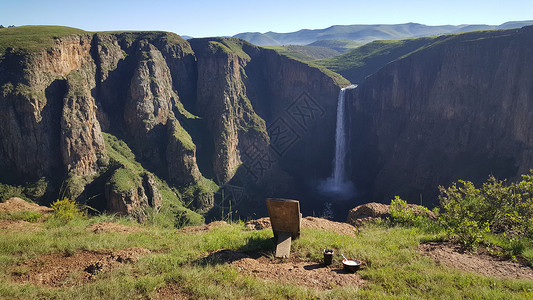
(214, 18)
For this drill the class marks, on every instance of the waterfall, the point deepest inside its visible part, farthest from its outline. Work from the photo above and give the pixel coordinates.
(340, 142)
(337, 184)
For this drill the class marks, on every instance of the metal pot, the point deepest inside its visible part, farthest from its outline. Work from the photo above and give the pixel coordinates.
(351, 265)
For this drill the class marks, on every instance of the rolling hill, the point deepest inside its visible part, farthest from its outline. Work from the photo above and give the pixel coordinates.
(366, 33)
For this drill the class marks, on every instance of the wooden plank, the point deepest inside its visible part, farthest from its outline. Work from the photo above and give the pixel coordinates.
(283, 249)
(285, 216)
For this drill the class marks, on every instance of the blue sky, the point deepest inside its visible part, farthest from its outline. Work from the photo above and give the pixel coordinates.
(212, 18)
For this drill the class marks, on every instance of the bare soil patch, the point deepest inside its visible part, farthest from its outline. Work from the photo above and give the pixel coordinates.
(202, 228)
(16, 204)
(69, 269)
(172, 292)
(7, 226)
(112, 227)
(451, 255)
(294, 270)
(309, 222)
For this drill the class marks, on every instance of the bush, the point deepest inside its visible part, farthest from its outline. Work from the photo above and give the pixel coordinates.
(402, 213)
(66, 210)
(8, 191)
(469, 213)
(187, 217)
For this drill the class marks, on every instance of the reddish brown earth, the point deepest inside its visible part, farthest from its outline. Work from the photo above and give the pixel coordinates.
(308, 222)
(113, 227)
(170, 292)
(70, 269)
(16, 205)
(294, 270)
(451, 255)
(202, 228)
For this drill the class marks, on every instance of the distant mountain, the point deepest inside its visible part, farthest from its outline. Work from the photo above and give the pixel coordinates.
(186, 37)
(366, 33)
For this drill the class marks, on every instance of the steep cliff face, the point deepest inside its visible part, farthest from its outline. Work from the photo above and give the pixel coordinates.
(261, 120)
(223, 102)
(460, 109)
(272, 119)
(47, 119)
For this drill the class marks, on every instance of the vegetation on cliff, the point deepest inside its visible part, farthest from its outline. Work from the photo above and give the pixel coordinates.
(32, 38)
(365, 60)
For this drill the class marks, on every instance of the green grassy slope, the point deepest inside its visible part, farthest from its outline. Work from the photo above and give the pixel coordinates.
(305, 53)
(317, 50)
(33, 37)
(363, 61)
(341, 46)
(38, 37)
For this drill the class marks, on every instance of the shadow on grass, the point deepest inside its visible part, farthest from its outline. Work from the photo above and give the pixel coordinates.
(255, 248)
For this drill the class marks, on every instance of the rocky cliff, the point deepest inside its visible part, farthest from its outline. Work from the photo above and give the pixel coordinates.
(74, 104)
(461, 108)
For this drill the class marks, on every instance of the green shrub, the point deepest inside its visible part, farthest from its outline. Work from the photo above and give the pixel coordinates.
(469, 213)
(66, 210)
(402, 213)
(187, 217)
(8, 191)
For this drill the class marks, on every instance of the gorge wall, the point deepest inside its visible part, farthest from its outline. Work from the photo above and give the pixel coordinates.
(461, 108)
(131, 122)
(220, 120)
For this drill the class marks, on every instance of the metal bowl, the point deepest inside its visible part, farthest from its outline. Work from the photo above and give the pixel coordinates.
(351, 265)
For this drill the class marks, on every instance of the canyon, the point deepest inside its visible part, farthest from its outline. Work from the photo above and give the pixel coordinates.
(129, 122)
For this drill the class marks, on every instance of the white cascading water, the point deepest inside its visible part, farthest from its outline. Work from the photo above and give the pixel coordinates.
(337, 184)
(340, 143)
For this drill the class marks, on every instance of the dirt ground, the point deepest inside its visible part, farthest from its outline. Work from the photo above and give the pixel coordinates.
(451, 255)
(171, 292)
(113, 227)
(70, 269)
(202, 228)
(309, 222)
(16, 204)
(294, 270)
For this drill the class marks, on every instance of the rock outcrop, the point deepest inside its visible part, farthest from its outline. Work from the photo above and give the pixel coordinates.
(373, 211)
(129, 194)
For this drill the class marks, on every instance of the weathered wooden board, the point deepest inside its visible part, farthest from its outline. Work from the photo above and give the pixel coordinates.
(285, 218)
